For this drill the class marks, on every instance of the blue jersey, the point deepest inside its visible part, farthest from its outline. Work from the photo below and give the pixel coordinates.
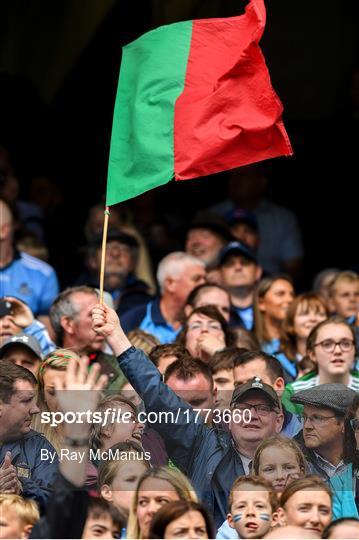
(31, 280)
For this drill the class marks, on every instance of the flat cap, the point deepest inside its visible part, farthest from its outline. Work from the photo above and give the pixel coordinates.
(337, 397)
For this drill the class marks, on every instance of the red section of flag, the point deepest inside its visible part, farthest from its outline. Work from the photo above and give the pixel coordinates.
(228, 114)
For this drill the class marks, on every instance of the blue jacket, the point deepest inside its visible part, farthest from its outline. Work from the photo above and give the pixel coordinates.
(34, 470)
(149, 318)
(343, 488)
(206, 455)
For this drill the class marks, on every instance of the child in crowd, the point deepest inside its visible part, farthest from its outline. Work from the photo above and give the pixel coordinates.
(118, 477)
(104, 520)
(252, 504)
(280, 461)
(17, 516)
(344, 296)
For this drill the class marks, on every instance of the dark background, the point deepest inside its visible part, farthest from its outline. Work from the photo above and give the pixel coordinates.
(59, 65)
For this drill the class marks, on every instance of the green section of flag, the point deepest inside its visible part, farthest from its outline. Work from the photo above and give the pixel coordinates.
(152, 76)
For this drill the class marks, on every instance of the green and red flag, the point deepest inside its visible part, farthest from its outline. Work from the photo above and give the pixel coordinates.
(194, 98)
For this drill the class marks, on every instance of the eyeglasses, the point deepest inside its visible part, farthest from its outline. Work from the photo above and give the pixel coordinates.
(316, 419)
(261, 410)
(328, 345)
(355, 424)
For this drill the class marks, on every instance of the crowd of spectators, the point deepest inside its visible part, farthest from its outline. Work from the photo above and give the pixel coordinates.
(241, 396)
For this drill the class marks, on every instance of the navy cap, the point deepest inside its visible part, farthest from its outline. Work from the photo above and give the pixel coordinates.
(255, 384)
(234, 248)
(241, 215)
(30, 342)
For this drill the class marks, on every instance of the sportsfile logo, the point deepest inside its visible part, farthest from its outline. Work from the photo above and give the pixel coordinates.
(112, 416)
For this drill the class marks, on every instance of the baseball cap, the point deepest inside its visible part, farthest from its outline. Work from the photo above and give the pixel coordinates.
(242, 215)
(337, 397)
(255, 384)
(115, 235)
(22, 339)
(237, 247)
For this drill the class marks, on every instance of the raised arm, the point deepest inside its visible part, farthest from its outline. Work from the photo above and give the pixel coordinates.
(181, 428)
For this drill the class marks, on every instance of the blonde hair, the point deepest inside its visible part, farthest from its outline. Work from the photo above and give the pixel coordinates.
(279, 442)
(26, 509)
(346, 276)
(109, 468)
(58, 360)
(143, 340)
(178, 480)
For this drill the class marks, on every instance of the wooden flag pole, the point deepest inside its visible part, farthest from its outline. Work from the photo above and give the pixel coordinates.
(103, 254)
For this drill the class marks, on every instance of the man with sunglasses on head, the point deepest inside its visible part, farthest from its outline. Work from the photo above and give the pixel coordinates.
(322, 438)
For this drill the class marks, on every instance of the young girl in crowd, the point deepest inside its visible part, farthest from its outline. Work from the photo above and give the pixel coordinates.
(17, 516)
(182, 519)
(205, 332)
(306, 503)
(118, 477)
(345, 486)
(271, 301)
(331, 346)
(305, 312)
(155, 488)
(280, 461)
(52, 367)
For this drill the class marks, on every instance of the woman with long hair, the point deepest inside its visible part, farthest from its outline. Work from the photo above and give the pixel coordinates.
(306, 503)
(205, 332)
(331, 347)
(272, 298)
(156, 488)
(52, 367)
(305, 312)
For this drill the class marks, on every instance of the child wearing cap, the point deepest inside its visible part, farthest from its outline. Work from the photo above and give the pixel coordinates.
(252, 504)
(24, 350)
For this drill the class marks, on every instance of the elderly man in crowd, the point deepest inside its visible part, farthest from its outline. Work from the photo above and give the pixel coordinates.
(70, 317)
(177, 274)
